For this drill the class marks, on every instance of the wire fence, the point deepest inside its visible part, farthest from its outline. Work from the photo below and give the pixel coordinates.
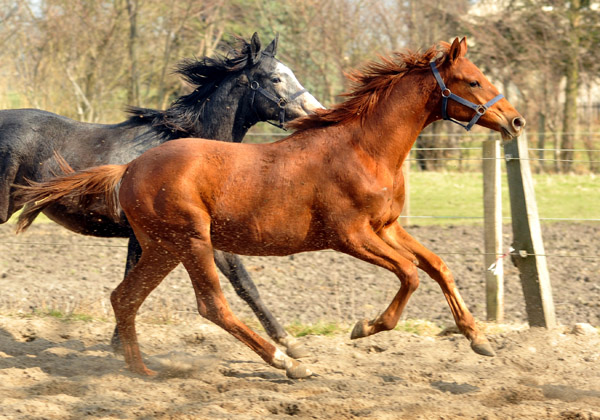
(459, 151)
(104, 245)
(471, 152)
(463, 152)
(470, 157)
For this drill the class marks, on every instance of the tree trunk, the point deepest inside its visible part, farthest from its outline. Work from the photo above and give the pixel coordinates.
(542, 140)
(588, 138)
(572, 78)
(133, 89)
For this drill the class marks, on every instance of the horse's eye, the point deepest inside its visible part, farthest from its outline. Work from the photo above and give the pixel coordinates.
(474, 83)
(276, 80)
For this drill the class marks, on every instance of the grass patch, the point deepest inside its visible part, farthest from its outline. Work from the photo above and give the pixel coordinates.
(55, 313)
(320, 328)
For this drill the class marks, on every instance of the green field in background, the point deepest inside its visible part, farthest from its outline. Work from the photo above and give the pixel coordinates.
(460, 194)
(452, 195)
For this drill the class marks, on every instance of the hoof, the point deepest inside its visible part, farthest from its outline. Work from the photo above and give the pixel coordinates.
(361, 329)
(295, 370)
(293, 348)
(142, 370)
(297, 351)
(482, 346)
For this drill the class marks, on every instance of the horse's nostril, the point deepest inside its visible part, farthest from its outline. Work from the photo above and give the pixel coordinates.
(518, 123)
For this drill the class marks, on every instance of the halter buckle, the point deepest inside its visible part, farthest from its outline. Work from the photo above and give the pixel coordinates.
(481, 109)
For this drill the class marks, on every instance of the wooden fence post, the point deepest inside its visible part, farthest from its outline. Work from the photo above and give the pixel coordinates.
(492, 231)
(529, 255)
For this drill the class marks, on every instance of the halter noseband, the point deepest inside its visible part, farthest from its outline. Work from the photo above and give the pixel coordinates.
(281, 102)
(447, 94)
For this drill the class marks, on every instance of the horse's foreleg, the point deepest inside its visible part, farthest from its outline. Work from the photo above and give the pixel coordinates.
(134, 253)
(435, 267)
(231, 265)
(368, 247)
(126, 299)
(199, 262)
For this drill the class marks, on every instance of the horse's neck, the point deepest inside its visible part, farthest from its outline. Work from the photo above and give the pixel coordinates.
(390, 132)
(224, 116)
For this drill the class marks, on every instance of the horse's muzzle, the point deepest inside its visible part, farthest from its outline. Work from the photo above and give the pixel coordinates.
(513, 129)
(518, 123)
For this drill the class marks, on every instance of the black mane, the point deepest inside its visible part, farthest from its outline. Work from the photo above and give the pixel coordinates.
(181, 118)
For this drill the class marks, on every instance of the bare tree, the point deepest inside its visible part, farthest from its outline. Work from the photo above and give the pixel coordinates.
(88, 60)
(133, 91)
(544, 43)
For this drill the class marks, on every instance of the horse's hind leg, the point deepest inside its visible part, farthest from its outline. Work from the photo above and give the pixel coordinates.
(152, 268)
(8, 171)
(231, 265)
(199, 262)
(134, 253)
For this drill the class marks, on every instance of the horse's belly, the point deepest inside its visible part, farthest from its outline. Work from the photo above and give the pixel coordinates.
(87, 222)
(254, 238)
(260, 249)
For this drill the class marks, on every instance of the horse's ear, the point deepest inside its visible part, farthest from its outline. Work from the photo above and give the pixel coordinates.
(457, 49)
(254, 49)
(272, 47)
(463, 45)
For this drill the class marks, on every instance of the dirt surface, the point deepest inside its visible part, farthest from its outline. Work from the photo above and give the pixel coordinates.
(50, 368)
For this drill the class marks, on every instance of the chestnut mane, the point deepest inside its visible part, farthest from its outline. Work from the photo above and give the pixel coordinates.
(374, 82)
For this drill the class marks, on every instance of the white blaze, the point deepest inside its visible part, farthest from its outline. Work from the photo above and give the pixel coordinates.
(292, 85)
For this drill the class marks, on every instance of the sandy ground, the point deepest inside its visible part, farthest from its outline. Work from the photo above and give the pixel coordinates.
(50, 368)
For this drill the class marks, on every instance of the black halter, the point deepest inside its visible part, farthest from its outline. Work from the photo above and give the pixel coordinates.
(281, 102)
(447, 94)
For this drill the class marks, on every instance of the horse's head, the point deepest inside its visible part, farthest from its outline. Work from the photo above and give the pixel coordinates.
(275, 93)
(468, 96)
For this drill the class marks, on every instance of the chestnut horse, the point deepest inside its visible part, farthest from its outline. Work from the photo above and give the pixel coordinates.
(336, 183)
(232, 93)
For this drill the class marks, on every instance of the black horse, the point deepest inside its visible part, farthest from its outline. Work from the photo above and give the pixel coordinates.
(232, 94)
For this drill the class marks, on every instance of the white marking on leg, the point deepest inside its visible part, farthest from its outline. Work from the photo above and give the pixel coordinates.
(288, 341)
(279, 359)
(292, 367)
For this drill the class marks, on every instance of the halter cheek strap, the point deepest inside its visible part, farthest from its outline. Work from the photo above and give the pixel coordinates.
(447, 94)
